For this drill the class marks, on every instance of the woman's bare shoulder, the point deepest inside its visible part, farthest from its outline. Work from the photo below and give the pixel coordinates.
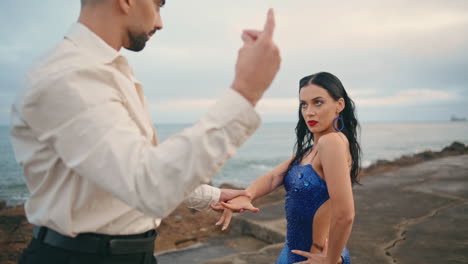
(333, 140)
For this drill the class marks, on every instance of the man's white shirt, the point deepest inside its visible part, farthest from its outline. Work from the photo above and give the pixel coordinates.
(81, 129)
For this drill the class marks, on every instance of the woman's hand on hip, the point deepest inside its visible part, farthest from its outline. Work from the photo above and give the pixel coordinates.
(313, 258)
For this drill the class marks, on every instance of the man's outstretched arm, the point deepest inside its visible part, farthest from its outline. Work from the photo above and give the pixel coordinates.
(85, 120)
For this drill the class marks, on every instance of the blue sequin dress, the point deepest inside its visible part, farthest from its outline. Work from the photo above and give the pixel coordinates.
(306, 191)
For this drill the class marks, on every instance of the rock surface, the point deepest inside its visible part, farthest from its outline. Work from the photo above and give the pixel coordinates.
(391, 204)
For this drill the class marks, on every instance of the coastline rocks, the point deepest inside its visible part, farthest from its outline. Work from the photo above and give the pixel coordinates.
(184, 226)
(456, 148)
(15, 233)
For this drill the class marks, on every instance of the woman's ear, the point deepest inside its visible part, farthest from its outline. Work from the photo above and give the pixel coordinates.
(341, 105)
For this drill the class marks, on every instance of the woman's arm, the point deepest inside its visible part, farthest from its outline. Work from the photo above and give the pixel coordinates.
(260, 187)
(268, 182)
(333, 154)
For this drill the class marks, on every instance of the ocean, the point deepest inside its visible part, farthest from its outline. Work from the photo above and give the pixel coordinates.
(269, 146)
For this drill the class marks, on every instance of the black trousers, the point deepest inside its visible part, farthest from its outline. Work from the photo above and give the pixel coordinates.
(40, 253)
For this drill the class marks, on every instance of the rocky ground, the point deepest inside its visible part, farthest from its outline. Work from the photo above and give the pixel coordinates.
(184, 226)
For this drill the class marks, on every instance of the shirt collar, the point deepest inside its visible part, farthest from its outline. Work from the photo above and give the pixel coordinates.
(84, 38)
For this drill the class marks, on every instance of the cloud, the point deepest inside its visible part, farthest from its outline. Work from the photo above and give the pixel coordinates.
(364, 98)
(182, 105)
(5, 110)
(309, 26)
(4, 114)
(266, 105)
(278, 105)
(408, 97)
(364, 25)
(11, 54)
(422, 23)
(393, 45)
(362, 92)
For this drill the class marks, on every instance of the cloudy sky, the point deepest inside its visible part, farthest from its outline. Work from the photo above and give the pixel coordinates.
(399, 60)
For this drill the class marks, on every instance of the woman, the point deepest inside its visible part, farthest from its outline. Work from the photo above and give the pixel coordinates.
(318, 179)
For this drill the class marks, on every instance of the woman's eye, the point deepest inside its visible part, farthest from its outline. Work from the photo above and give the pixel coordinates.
(303, 105)
(318, 103)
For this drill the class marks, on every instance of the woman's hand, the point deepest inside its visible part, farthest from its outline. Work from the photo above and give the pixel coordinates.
(238, 204)
(313, 258)
(225, 219)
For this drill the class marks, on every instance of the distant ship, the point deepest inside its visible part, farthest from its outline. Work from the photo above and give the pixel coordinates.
(457, 119)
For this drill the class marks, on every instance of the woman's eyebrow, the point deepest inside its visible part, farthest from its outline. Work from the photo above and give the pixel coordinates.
(318, 97)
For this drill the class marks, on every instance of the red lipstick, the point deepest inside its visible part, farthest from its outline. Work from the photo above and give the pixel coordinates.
(312, 122)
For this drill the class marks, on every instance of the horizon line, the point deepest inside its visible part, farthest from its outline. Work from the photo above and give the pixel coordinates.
(293, 122)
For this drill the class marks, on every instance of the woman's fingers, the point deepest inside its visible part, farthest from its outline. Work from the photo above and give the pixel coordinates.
(303, 253)
(227, 219)
(238, 208)
(221, 219)
(315, 258)
(252, 208)
(217, 207)
(231, 206)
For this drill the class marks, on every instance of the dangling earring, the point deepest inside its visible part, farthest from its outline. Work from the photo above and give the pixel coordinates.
(341, 121)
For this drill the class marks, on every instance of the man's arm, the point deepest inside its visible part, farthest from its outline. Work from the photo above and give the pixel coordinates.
(96, 137)
(94, 134)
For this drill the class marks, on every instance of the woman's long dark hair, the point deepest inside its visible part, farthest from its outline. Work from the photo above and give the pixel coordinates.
(304, 137)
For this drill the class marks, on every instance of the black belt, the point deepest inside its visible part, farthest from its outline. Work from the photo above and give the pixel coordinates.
(97, 243)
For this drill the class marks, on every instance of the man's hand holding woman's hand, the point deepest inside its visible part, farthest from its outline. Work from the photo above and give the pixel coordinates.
(238, 204)
(229, 194)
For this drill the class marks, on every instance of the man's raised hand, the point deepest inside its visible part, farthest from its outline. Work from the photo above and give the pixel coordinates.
(258, 61)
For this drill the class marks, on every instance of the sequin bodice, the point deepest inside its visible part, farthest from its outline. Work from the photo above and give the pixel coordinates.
(305, 193)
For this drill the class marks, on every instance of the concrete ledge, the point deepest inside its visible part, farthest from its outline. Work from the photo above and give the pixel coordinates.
(268, 225)
(267, 255)
(412, 215)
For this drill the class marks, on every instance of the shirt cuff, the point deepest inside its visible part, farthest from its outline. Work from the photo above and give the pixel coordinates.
(201, 198)
(215, 195)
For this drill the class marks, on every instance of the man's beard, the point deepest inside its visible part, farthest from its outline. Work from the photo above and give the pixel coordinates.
(137, 41)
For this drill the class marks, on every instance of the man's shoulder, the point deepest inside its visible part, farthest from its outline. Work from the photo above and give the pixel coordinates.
(63, 59)
(64, 65)
(63, 72)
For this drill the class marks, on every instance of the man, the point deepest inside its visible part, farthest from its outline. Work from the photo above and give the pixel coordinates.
(81, 129)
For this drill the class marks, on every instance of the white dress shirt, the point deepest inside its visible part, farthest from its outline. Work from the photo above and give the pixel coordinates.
(82, 131)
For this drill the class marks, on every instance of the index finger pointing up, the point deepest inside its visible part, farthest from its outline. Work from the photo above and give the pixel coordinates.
(269, 24)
